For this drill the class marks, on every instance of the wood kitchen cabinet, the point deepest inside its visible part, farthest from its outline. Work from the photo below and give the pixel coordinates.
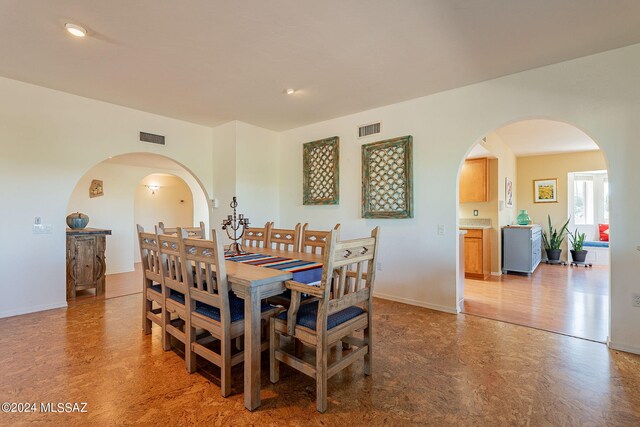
(86, 265)
(477, 253)
(474, 181)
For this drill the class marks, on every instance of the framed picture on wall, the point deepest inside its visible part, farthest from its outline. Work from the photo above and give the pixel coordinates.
(508, 193)
(545, 190)
(96, 189)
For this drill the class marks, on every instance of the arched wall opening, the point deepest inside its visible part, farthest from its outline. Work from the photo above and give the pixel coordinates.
(127, 199)
(520, 161)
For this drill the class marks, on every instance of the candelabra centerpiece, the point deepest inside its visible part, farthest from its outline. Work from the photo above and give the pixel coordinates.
(235, 224)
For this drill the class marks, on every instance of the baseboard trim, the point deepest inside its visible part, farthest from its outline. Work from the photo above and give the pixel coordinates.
(451, 310)
(624, 347)
(11, 313)
(496, 273)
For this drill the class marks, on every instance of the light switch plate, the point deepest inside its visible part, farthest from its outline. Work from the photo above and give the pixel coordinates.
(440, 230)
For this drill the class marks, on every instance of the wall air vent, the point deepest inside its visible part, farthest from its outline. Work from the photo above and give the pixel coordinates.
(367, 130)
(152, 138)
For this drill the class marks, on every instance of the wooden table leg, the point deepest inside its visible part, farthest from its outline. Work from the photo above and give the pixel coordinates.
(252, 346)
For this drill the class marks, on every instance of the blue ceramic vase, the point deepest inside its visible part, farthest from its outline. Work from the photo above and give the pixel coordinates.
(77, 221)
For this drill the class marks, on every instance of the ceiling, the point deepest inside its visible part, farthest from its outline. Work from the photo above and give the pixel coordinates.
(211, 61)
(537, 137)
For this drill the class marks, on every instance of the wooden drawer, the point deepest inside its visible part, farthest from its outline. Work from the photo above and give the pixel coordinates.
(474, 234)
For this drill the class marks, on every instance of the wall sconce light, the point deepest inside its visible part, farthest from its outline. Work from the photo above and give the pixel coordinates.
(153, 189)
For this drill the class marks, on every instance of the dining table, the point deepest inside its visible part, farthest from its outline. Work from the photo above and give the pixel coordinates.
(254, 283)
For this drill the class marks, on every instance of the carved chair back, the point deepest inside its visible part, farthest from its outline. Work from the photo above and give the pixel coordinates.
(256, 237)
(284, 239)
(315, 241)
(198, 232)
(208, 283)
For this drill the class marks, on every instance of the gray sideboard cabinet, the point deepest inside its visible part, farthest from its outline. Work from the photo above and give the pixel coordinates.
(521, 248)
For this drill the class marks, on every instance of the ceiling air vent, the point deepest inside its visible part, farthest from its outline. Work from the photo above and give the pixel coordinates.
(152, 138)
(367, 130)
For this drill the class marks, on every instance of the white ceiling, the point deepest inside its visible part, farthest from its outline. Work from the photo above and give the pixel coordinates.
(537, 137)
(211, 61)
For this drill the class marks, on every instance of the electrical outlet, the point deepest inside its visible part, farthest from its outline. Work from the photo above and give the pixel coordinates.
(42, 228)
(440, 229)
(635, 300)
(379, 266)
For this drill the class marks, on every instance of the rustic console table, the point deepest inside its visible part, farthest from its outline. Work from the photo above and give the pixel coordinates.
(86, 264)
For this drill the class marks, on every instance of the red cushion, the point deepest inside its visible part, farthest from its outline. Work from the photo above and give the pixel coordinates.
(604, 232)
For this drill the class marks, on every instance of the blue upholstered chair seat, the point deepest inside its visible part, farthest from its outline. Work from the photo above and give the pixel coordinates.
(308, 315)
(236, 305)
(175, 295)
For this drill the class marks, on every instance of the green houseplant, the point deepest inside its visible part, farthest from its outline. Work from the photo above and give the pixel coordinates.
(578, 254)
(553, 238)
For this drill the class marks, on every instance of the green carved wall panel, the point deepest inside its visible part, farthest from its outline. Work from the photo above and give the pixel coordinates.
(387, 179)
(321, 164)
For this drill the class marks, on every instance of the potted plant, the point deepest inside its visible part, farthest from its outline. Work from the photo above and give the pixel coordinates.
(552, 240)
(578, 254)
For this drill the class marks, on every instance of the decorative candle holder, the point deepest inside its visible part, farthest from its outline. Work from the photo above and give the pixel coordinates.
(236, 224)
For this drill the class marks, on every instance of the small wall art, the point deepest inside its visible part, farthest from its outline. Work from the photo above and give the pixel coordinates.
(387, 175)
(545, 190)
(508, 193)
(321, 174)
(96, 189)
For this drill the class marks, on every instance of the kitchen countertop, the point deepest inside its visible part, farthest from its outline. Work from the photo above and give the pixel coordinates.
(474, 227)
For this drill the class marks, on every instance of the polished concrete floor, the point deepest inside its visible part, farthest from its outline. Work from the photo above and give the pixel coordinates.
(568, 300)
(430, 368)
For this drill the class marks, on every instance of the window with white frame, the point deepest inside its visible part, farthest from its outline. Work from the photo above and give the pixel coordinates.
(588, 200)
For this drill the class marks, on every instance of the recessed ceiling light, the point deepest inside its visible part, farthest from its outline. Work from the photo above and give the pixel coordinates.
(291, 91)
(75, 30)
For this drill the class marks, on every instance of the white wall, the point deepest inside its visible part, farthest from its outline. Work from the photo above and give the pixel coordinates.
(48, 141)
(598, 94)
(248, 162)
(257, 164)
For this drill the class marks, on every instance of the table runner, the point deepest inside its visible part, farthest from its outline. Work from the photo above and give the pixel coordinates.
(309, 272)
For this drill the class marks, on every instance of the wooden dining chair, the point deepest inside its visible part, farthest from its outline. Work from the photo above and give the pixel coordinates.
(199, 232)
(284, 239)
(212, 307)
(151, 280)
(315, 241)
(344, 307)
(175, 289)
(256, 237)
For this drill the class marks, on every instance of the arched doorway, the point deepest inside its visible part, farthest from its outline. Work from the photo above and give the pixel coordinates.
(517, 157)
(137, 187)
